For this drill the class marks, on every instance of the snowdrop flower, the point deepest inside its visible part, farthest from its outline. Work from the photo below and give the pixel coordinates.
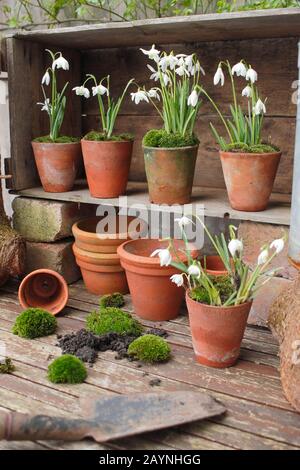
(164, 256)
(139, 96)
(197, 68)
(45, 105)
(181, 59)
(181, 71)
(168, 61)
(166, 79)
(247, 91)
(177, 279)
(183, 221)
(60, 63)
(219, 76)
(82, 91)
(259, 108)
(46, 79)
(194, 270)
(278, 245)
(263, 257)
(239, 69)
(100, 90)
(155, 74)
(189, 61)
(235, 246)
(153, 53)
(251, 75)
(153, 93)
(193, 99)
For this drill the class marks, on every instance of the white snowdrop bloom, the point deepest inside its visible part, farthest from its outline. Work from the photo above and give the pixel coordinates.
(155, 74)
(193, 99)
(183, 221)
(153, 53)
(168, 61)
(194, 270)
(239, 69)
(259, 108)
(278, 245)
(251, 75)
(182, 70)
(189, 61)
(45, 105)
(100, 90)
(177, 279)
(153, 93)
(166, 79)
(219, 77)
(46, 79)
(235, 246)
(139, 96)
(82, 91)
(164, 256)
(263, 257)
(197, 68)
(247, 91)
(60, 63)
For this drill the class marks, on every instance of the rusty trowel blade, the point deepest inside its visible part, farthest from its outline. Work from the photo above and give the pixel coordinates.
(120, 416)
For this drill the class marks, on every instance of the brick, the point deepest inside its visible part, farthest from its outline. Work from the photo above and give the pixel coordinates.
(40, 220)
(56, 256)
(255, 236)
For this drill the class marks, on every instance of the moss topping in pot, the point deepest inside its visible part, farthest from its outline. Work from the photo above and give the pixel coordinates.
(101, 137)
(258, 148)
(222, 283)
(161, 139)
(46, 139)
(67, 369)
(150, 348)
(113, 320)
(34, 323)
(112, 300)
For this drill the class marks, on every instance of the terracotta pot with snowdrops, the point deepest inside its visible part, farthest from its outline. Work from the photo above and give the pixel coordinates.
(219, 306)
(170, 153)
(106, 155)
(57, 157)
(249, 164)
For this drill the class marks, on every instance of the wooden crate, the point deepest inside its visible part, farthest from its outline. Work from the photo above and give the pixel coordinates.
(267, 39)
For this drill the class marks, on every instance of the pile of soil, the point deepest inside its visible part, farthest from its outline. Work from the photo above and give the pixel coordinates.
(85, 345)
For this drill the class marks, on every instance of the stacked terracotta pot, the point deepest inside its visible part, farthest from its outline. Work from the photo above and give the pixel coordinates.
(95, 251)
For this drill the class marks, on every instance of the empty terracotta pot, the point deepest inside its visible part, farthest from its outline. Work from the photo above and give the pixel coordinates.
(57, 165)
(107, 166)
(214, 265)
(170, 173)
(154, 296)
(90, 238)
(45, 289)
(249, 178)
(98, 259)
(217, 332)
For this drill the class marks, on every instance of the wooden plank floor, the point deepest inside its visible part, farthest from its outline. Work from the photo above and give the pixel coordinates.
(258, 416)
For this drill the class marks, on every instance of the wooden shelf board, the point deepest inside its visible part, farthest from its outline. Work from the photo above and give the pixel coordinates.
(284, 22)
(215, 202)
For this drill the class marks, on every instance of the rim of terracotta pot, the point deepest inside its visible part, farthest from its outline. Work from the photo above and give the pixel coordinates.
(79, 232)
(107, 141)
(218, 272)
(100, 268)
(250, 154)
(93, 255)
(52, 273)
(56, 143)
(171, 148)
(216, 307)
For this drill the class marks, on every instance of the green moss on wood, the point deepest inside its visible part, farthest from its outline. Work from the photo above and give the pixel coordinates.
(150, 348)
(34, 323)
(112, 300)
(113, 320)
(67, 369)
(7, 367)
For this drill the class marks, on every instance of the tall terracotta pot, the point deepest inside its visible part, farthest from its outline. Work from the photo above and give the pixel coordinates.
(217, 332)
(57, 165)
(44, 288)
(107, 166)
(154, 296)
(170, 173)
(214, 265)
(249, 178)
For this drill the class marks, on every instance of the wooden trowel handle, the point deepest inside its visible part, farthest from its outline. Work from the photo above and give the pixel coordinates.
(20, 427)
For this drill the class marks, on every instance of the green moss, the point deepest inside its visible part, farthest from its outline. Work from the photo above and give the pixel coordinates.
(150, 348)
(64, 139)
(223, 285)
(34, 322)
(67, 369)
(160, 138)
(101, 137)
(199, 294)
(7, 366)
(112, 300)
(113, 320)
(244, 148)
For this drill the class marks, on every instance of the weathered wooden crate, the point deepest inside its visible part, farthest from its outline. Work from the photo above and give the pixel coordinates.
(267, 39)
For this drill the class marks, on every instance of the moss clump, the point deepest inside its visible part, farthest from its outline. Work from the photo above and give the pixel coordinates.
(258, 148)
(34, 322)
(222, 283)
(7, 366)
(113, 320)
(150, 348)
(100, 137)
(112, 300)
(64, 139)
(161, 138)
(67, 369)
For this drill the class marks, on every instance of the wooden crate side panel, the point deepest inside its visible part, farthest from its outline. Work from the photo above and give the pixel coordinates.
(26, 65)
(274, 59)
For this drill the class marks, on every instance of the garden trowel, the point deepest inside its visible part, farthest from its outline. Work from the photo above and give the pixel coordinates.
(113, 417)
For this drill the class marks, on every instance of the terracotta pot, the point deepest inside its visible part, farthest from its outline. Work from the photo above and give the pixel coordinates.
(154, 296)
(214, 265)
(57, 165)
(249, 178)
(98, 259)
(45, 289)
(107, 167)
(170, 173)
(87, 237)
(101, 280)
(217, 332)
